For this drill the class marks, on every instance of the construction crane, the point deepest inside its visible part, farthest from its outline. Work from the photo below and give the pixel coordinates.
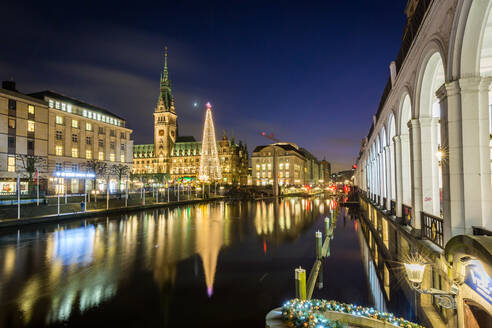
(270, 136)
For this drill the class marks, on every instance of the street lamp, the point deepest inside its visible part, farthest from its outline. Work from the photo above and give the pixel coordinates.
(415, 274)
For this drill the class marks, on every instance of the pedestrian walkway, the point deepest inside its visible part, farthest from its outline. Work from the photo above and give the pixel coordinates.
(74, 208)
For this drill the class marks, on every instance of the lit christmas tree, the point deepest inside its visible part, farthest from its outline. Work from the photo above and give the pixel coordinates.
(209, 162)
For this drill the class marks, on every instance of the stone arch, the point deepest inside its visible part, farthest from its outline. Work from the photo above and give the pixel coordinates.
(431, 78)
(467, 38)
(392, 171)
(405, 111)
(382, 161)
(432, 58)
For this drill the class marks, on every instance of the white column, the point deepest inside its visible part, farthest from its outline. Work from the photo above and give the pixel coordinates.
(466, 169)
(388, 176)
(381, 176)
(398, 172)
(430, 167)
(416, 160)
(452, 164)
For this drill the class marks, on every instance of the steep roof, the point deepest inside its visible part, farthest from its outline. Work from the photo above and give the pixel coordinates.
(284, 146)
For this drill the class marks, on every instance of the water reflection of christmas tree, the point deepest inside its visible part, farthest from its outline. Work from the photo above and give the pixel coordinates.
(209, 243)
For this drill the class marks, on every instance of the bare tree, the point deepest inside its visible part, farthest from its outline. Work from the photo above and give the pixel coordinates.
(119, 170)
(29, 164)
(99, 168)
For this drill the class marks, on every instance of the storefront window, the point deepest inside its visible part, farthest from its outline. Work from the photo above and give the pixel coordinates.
(74, 186)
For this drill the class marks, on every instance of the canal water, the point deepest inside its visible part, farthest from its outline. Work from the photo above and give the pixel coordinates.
(222, 264)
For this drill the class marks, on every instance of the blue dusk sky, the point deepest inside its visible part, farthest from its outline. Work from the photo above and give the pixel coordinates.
(309, 72)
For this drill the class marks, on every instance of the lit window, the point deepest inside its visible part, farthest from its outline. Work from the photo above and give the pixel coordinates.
(122, 158)
(89, 114)
(30, 109)
(75, 152)
(30, 126)
(51, 103)
(57, 104)
(59, 120)
(88, 154)
(64, 107)
(286, 166)
(111, 157)
(84, 113)
(75, 124)
(12, 123)
(69, 108)
(98, 117)
(11, 163)
(101, 156)
(88, 126)
(59, 151)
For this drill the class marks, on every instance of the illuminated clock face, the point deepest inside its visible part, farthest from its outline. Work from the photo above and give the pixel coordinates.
(161, 132)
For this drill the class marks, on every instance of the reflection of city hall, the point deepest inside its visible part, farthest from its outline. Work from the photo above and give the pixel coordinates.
(62, 133)
(425, 167)
(179, 156)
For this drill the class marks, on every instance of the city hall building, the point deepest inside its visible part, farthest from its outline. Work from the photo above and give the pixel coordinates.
(179, 156)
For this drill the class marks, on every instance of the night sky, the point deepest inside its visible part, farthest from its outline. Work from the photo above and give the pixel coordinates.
(310, 72)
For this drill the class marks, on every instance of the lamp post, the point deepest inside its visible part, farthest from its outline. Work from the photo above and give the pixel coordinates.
(415, 275)
(107, 193)
(126, 190)
(18, 196)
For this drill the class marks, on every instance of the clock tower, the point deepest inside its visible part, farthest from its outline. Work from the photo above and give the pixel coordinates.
(165, 123)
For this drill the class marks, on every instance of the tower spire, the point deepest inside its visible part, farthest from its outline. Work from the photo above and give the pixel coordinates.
(165, 75)
(165, 101)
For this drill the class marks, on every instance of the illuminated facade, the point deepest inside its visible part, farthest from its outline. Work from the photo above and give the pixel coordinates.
(426, 161)
(77, 133)
(295, 165)
(179, 156)
(23, 131)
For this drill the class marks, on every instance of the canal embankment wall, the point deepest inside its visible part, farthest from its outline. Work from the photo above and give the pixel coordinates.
(14, 223)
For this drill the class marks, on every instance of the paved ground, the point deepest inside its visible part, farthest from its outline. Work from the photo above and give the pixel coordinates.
(73, 205)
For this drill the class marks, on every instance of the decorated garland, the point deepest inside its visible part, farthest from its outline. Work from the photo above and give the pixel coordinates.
(308, 314)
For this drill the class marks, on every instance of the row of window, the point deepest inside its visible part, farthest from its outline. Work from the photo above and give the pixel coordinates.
(88, 154)
(269, 166)
(30, 125)
(66, 107)
(88, 140)
(13, 106)
(88, 127)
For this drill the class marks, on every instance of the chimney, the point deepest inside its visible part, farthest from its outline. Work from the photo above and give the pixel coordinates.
(9, 85)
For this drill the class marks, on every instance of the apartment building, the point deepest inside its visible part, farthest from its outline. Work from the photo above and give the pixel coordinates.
(23, 134)
(80, 132)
